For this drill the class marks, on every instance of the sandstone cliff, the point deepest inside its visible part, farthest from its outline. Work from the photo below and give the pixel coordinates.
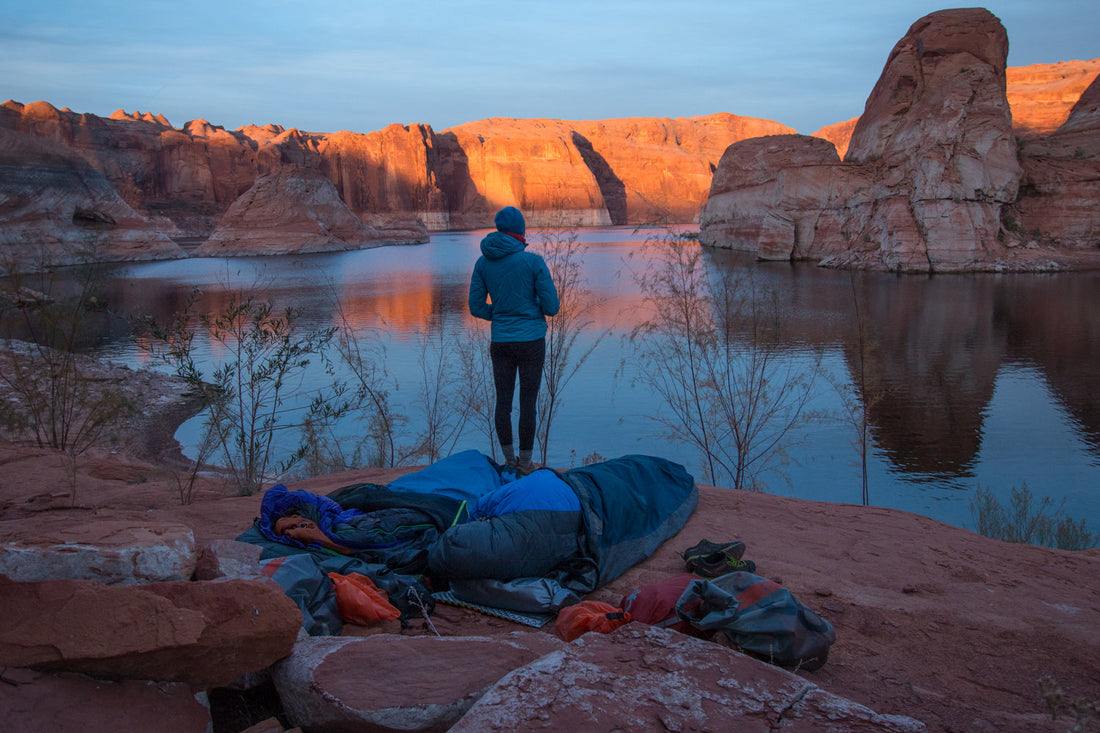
(399, 182)
(1040, 97)
(926, 187)
(1061, 181)
(62, 210)
(931, 169)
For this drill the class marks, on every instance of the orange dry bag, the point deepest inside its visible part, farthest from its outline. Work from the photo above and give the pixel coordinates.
(580, 618)
(359, 600)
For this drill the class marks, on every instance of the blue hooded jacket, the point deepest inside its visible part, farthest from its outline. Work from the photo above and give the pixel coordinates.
(517, 282)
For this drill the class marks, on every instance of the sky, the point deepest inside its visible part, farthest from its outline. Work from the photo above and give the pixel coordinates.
(328, 66)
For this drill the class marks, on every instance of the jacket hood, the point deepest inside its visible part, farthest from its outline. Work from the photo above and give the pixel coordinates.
(498, 244)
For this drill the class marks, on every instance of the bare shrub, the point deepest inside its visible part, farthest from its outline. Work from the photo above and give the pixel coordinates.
(712, 350)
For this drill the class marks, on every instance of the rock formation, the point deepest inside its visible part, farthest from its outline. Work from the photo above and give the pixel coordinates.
(931, 167)
(1061, 181)
(934, 624)
(1042, 95)
(630, 171)
(400, 182)
(61, 210)
(294, 210)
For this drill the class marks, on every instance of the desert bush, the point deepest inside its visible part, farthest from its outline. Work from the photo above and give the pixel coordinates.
(441, 394)
(53, 395)
(564, 357)
(859, 396)
(1083, 713)
(1029, 524)
(369, 391)
(711, 349)
(247, 395)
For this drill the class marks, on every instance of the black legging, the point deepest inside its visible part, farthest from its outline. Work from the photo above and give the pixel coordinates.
(509, 358)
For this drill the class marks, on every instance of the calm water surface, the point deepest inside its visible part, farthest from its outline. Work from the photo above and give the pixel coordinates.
(984, 380)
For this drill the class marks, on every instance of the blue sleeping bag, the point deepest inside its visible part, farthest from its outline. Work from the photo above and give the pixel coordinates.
(522, 529)
(470, 520)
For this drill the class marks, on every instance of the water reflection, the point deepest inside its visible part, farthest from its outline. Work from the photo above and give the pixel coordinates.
(941, 353)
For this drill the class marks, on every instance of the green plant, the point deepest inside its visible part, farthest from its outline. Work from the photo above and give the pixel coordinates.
(711, 349)
(1024, 523)
(246, 395)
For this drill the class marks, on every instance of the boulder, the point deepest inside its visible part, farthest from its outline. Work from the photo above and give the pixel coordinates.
(930, 165)
(229, 559)
(204, 634)
(294, 210)
(647, 678)
(1040, 97)
(110, 551)
(336, 684)
(38, 702)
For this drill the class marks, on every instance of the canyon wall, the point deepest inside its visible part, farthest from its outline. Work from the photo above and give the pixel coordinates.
(1040, 96)
(933, 178)
(928, 178)
(268, 190)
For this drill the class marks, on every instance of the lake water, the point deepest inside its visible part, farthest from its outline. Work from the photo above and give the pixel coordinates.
(983, 380)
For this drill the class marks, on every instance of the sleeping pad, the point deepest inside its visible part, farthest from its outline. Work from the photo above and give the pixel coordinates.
(527, 543)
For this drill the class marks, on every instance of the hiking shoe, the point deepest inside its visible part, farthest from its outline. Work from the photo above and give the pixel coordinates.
(523, 468)
(723, 566)
(711, 559)
(706, 549)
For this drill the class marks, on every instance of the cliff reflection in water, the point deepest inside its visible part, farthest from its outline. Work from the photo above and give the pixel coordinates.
(934, 346)
(937, 352)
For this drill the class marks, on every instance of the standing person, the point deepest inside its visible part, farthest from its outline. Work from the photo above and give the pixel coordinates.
(512, 288)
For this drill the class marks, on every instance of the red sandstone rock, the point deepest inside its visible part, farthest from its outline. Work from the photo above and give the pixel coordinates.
(333, 684)
(202, 634)
(114, 552)
(1042, 95)
(295, 210)
(408, 179)
(646, 678)
(36, 702)
(931, 168)
(839, 134)
(933, 622)
(1062, 181)
(629, 171)
(229, 559)
(57, 209)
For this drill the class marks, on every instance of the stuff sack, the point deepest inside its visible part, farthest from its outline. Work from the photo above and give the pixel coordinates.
(758, 616)
(655, 604)
(359, 601)
(580, 618)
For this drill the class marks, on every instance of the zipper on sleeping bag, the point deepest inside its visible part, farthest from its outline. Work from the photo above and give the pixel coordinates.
(461, 511)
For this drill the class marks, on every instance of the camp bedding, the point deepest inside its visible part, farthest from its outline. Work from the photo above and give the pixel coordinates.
(582, 527)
